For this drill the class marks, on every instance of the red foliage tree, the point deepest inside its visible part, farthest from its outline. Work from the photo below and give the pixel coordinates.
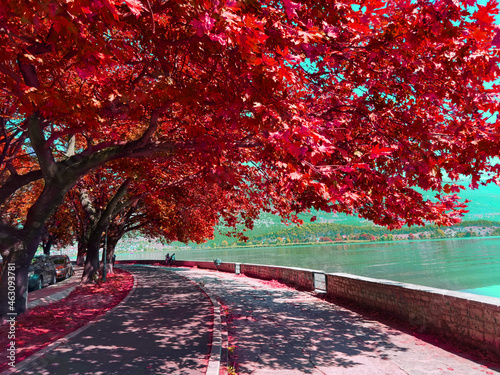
(340, 108)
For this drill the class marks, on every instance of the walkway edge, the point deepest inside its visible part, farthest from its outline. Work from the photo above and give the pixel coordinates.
(52, 298)
(214, 361)
(215, 355)
(62, 340)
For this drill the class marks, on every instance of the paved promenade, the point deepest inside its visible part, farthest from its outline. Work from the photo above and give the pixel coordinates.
(165, 327)
(285, 332)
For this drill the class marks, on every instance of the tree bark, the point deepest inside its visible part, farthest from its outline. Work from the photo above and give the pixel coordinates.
(110, 251)
(23, 250)
(48, 244)
(91, 216)
(91, 266)
(92, 262)
(15, 281)
(82, 251)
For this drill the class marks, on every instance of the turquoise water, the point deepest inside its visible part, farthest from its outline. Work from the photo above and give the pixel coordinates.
(492, 291)
(471, 265)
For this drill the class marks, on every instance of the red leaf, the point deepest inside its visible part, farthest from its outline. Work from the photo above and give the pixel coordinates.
(290, 8)
(135, 7)
(380, 151)
(203, 25)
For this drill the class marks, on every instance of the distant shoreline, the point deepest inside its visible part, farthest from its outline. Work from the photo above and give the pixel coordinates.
(349, 242)
(317, 233)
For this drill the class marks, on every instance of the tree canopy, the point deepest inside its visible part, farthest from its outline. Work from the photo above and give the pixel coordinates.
(349, 107)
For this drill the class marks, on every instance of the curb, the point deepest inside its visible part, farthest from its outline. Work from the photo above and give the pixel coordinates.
(62, 340)
(214, 361)
(215, 355)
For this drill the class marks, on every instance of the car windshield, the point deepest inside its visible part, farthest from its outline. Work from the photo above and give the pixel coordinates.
(58, 260)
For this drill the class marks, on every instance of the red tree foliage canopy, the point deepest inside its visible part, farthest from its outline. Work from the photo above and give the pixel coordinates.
(349, 106)
(341, 107)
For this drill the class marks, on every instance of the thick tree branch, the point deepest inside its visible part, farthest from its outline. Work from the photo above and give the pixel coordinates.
(76, 166)
(28, 72)
(153, 126)
(43, 153)
(15, 182)
(113, 204)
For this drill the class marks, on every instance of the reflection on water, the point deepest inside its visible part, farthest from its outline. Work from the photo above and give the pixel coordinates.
(463, 264)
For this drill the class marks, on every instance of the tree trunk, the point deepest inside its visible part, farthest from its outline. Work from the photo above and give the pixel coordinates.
(24, 246)
(92, 261)
(82, 250)
(91, 218)
(110, 251)
(91, 266)
(14, 285)
(47, 245)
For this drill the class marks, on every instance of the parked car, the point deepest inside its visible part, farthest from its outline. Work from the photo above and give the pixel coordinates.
(41, 271)
(64, 268)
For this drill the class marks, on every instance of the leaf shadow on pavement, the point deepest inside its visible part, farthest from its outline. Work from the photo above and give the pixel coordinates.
(285, 331)
(164, 327)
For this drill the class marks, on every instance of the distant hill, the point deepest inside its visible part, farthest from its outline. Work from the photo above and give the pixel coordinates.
(484, 205)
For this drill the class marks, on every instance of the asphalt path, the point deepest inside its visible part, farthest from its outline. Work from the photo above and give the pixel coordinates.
(163, 327)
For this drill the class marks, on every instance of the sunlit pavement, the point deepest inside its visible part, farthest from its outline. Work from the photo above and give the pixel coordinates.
(163, 327)
(283, 331)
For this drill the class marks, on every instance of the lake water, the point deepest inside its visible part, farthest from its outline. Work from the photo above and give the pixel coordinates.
(471, 265)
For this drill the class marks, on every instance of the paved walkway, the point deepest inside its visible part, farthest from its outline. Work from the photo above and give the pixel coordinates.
(283, 331)
(165, 327)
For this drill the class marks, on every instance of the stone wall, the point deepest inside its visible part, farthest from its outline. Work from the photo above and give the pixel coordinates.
(467, 319)
(225, 267)
(295, 277)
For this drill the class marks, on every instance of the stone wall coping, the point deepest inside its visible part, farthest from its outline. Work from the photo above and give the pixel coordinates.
(444, 292)
(281, 267)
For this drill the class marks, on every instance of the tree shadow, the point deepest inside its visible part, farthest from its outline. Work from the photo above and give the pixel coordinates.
(484, 360)
(164, 327)
(281, 330)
